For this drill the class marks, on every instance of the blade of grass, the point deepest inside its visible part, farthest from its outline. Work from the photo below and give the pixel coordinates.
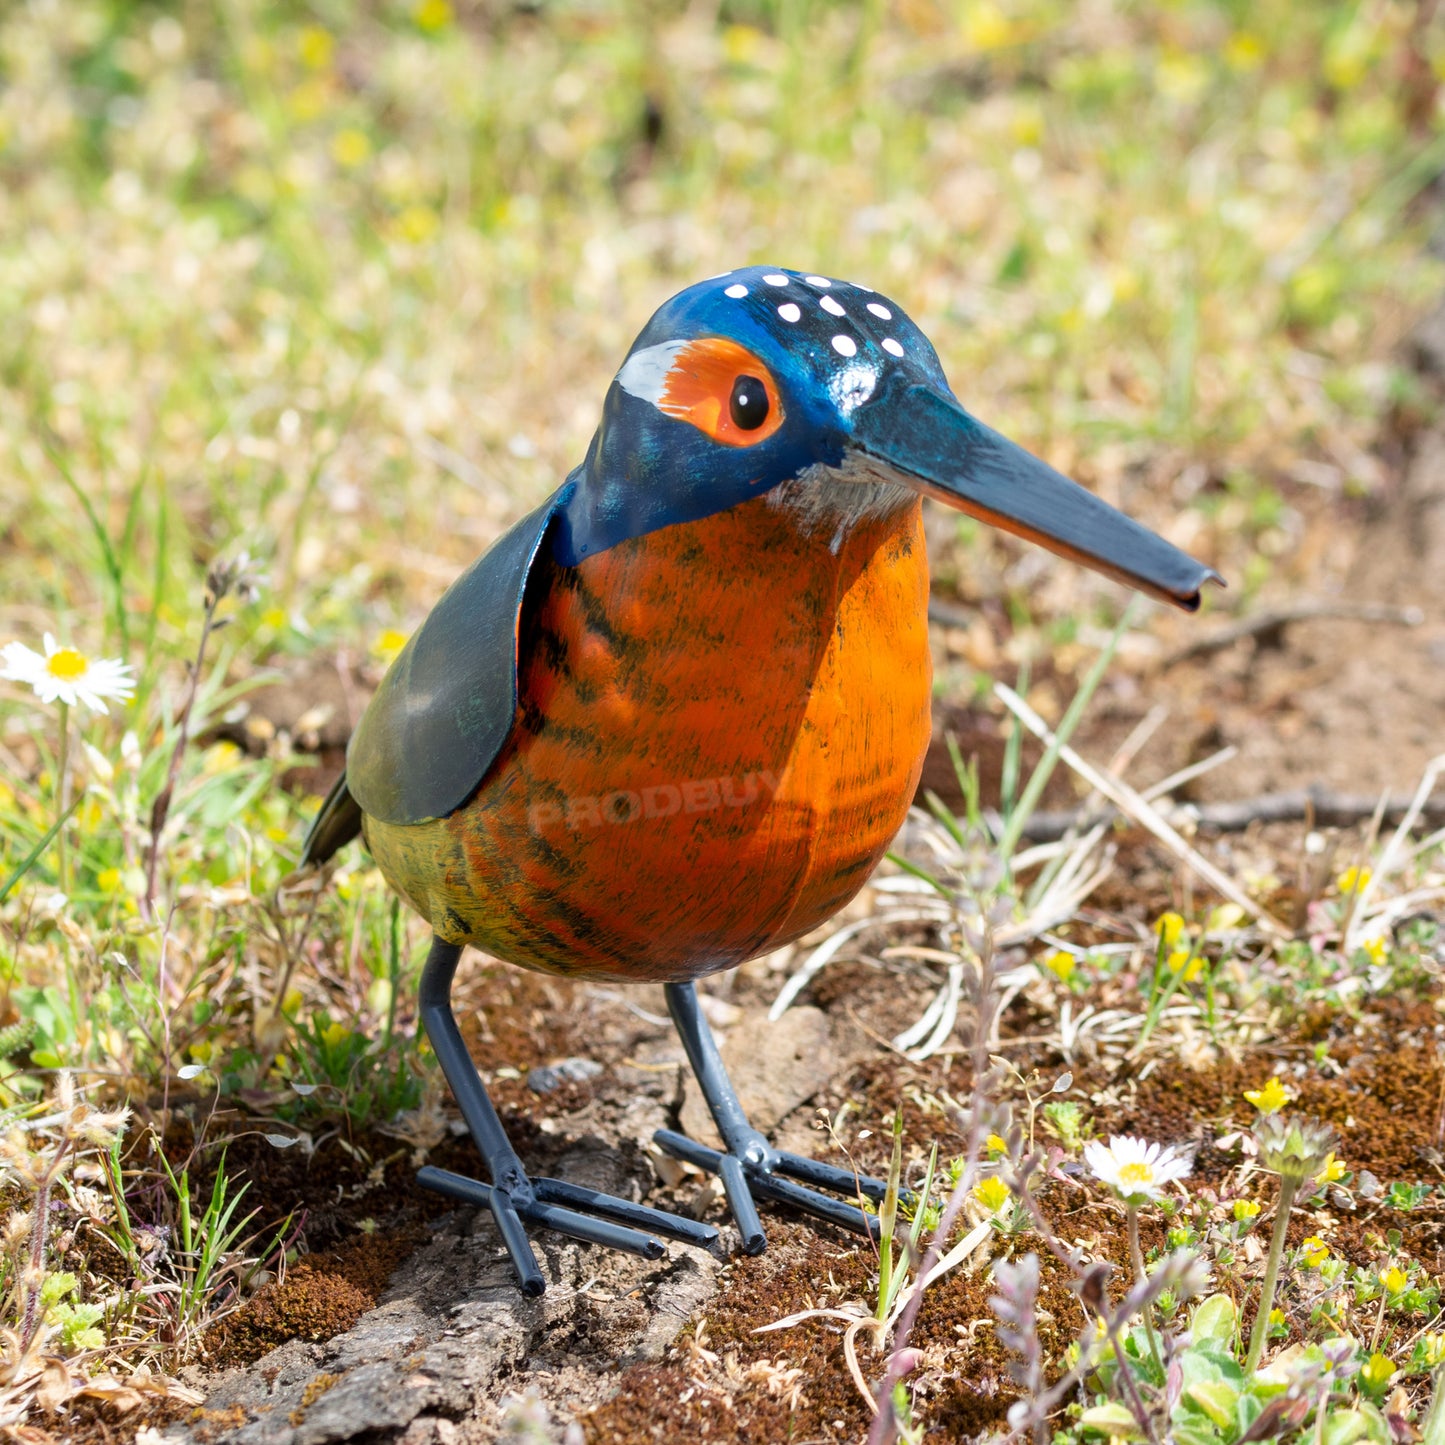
(1128, 801)
(1039, 778)
(1008, 782)
(113, 571)
(28, 861)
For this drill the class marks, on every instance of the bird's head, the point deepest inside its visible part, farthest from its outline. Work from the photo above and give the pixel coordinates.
(763, 377)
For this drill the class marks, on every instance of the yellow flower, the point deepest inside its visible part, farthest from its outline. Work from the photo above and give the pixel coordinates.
(1169, 927)
(1226, 916)
(1271, 1098)
(309, 99)
(432, 15)
(417, 224)
(1395, 1280)
(1181, 77)
(202, 1051)
(1354, 880)
(1027, 125)
(1243, 51)
(1376, 950)
(1246, 1209)
(1186, 959)
(986, 27)
(995, 1146)
(1061, 964)
(1434, 1349)
(1332, 1171)
(741, 43)
(274, 618)
(388, 644)
(315, 47)
(350, 147)
(1349, 55)
(220, 757)
(292, 1001)
(1314, 1251)
(1376, 1373)
(1277, 1319)
(992, 1193)
(335, 1034)
(108, 880)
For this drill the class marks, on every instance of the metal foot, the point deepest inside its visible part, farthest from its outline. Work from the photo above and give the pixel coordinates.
(751, 1167)
(511, 1196)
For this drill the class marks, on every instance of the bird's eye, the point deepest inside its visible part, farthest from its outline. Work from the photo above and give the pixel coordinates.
(748, 405)
(723, 390)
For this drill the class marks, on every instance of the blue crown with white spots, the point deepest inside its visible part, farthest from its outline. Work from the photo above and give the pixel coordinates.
(828, 346)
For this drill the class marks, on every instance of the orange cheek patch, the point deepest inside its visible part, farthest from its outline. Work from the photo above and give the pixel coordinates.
(699, 388)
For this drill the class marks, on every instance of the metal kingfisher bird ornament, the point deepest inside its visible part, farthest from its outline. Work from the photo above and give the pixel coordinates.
(672, 719)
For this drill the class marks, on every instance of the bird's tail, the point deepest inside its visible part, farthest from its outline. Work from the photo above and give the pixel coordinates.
(338, 822)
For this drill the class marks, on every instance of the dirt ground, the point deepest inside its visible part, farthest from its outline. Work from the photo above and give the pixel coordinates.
(402, 1324)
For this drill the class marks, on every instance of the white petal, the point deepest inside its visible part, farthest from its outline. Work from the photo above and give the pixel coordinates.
(22, 664)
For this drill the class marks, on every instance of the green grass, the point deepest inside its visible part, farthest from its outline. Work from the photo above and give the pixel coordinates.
(342, 285)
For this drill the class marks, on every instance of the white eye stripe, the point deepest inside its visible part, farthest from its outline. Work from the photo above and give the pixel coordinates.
(789, 312)
(644, 373)
(831, 306)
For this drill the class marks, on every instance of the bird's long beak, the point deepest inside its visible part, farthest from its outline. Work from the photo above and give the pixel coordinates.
(932, 444)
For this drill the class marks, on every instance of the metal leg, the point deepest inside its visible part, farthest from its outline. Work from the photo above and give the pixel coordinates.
(750, 1167)
(511, 1196)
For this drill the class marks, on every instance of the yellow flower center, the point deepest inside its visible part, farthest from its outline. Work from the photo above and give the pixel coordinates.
(1136, 1174)
(67, 664)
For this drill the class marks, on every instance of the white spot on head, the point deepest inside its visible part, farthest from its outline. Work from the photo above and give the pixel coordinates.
(852, 386)
(736, 292)
(892, 347)
(845, 346)
(818, 281)
(788, 311)
(776, 278)
(881, 312)
(832, 307)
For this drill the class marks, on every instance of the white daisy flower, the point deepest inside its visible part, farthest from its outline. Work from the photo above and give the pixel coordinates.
(1135, 1169)
(66, 675)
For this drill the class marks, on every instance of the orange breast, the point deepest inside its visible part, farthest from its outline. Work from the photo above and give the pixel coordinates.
(720, 731)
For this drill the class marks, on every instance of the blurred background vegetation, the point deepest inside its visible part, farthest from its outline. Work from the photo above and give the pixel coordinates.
(344, 283)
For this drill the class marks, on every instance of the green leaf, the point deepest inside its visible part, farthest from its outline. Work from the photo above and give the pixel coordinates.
(1191, 1427)
(1214, 1321)
(1345, 1427)
(1112, 1419)
(1204, 1365)
(1216, 1399)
